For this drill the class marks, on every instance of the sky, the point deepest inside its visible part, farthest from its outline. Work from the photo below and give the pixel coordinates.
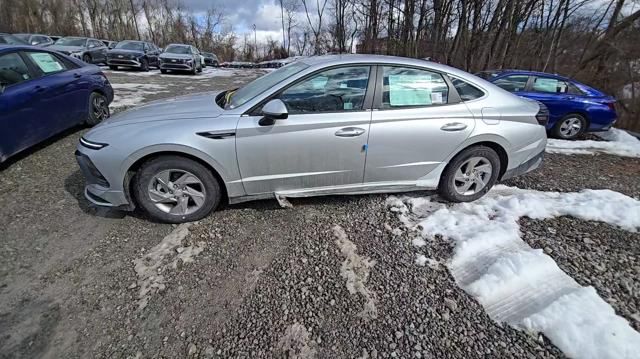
(243, 14)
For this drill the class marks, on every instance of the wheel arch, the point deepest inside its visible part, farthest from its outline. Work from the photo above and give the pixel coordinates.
(494, 145)
(134, 166)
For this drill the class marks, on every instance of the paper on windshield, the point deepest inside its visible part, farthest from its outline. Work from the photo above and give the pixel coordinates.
(46, 62)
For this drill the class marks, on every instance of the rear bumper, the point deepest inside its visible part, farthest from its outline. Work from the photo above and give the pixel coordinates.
(525, 167)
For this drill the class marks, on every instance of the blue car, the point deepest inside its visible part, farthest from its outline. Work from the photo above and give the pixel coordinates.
(43, 93)
(574, 108)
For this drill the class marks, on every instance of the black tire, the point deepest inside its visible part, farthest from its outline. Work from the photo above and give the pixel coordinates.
(194, 71)
(558, 132)
(98, 109)
(200, 68)
(447, 189)
(163, 71)
(144, 65)
(86, 58)
(113, 68)
(152, 167)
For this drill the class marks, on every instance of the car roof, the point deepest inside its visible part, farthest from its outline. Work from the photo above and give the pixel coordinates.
(328, 60)
(527, 72)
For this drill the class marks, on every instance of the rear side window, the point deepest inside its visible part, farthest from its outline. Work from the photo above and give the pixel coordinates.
(513, 83)
(466, 91)
(407, 87)
(46, 62)
(13, 69)
(550, 85)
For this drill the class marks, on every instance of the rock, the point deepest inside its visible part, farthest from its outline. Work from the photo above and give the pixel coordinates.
(192, 350)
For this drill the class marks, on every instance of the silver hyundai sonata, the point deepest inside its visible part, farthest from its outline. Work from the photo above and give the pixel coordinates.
(322, 125)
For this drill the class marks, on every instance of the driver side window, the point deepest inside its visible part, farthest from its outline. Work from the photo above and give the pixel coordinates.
(13, 69)
(336, 90)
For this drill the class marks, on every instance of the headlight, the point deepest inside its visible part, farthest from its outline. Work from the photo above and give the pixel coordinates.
(92, 145)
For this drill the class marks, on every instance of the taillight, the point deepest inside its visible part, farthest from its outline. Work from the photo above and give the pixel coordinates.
(543, 114)
(612, 106)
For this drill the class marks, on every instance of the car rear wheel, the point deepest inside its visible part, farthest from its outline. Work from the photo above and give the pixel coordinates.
(570, 127)
(175, 189)
(113, 68)
(98, 109)
(86, 58)
(470, 174)
(163, 71)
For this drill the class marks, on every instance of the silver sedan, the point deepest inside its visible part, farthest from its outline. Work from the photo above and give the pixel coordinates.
(323, 125)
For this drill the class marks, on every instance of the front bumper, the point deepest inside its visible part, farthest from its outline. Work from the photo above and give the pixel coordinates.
(124, 62)
(98, 190)
(176, 66)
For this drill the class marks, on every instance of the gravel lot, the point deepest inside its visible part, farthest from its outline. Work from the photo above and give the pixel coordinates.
(256, 280)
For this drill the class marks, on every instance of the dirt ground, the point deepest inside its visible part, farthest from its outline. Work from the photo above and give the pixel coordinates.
(257, 280)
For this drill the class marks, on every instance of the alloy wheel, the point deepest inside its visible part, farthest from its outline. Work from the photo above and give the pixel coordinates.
(100, 108)
(472, 176)
(570, 127)
(176, 192)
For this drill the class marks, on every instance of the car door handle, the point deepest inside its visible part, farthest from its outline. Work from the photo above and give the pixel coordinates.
(350, 132)
(453, 126)
(77, 76)
(39, 89)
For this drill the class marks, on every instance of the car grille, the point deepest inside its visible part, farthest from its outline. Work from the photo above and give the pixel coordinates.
(173, 61)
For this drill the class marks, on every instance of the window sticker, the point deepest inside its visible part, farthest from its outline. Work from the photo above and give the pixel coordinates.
(46, 62)
(436, 98)
(546, 85)
(410, 90)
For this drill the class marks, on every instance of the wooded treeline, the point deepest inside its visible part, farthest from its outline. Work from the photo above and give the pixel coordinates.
(595, 41)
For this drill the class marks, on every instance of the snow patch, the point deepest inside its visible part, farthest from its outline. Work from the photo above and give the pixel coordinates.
(132, 94)
(521, 285)
(422, 260)
(150, 267)
(617, 142)
(355, 270)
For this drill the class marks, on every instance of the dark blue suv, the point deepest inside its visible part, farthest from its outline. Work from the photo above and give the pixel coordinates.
(574, 108)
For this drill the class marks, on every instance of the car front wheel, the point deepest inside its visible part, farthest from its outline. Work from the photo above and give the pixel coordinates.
(175, 189)
(470, 174)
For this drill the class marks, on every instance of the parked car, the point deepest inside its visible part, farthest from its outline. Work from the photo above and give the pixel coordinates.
(91, 51)
(43, 92)
(306, 129)
(134, 54)
(11, 40)
(35, 39)
(210, 59)
(181, 57)
(574, 108)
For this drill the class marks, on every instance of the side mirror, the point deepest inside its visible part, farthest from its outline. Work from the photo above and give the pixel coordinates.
(272, 111)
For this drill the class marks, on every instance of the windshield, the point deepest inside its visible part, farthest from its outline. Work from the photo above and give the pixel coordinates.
(23, 37)
(130, 45)
(72, 41)
(11, 40)
(178, 49)
(261, 84)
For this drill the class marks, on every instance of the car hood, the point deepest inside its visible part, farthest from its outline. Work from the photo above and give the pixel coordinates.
(176, 56)
(125, 52)
(66, 48)
(182, 108)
